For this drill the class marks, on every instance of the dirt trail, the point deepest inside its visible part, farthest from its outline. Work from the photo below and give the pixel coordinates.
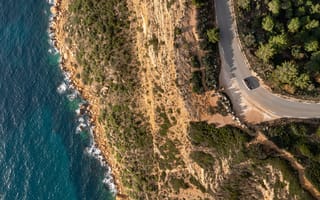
(306, 184)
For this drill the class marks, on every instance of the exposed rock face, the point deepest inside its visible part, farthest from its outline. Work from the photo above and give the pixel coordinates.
(156, 52)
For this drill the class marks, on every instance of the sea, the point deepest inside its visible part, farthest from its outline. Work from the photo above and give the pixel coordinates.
(47, 149)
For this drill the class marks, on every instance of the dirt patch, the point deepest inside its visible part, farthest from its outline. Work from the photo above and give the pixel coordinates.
(253, 116)
(207, 109)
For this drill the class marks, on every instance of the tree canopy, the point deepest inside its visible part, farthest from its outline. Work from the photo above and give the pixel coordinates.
(267, 23)
(287, 73)
(294, 25)
(274, 6)
(265, 52)
(283, 32)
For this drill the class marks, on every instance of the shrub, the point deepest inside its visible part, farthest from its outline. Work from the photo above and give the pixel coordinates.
(213, 35)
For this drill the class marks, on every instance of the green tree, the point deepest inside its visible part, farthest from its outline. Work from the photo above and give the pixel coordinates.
(286, 4)
(198, 3)
(213, 35)
(296, 52)
(244, 4)
(314, 64)
(279, 41)
(289, 13)
(311, 46)
(249, 40)
(315, 9)
(301, 11)
(294, 25)
(298, 2)
(279, 28)
(303, 81)
(274, 6)
(267, 23)
(312, 24)
(265, 52)
(286, 73)
(308, 3)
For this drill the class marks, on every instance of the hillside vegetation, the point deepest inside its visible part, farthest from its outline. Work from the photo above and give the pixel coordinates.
(302, 140)
(249, 167)
(100, 34)
(282, 37)
(206, 68)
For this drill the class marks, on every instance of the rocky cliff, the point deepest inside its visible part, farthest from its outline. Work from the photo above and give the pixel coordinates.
(133, 61)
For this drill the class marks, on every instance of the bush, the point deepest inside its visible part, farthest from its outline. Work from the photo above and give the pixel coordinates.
(178, 183)
(224, 140)
(196, 80)
(213, 35)
(199, 3)
(204, 160)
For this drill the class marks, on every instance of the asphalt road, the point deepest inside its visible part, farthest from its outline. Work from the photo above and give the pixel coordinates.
(233, 61)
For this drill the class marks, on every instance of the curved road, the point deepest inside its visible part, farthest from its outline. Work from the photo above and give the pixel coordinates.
(233, 63)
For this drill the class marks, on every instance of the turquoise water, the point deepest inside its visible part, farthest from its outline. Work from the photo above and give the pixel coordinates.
(41, 154)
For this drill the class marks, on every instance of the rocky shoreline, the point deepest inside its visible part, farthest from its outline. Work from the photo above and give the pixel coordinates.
(58, 35)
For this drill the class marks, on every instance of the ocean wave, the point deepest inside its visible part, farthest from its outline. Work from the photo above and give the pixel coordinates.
(81, 119)
(62, 88)
(51, 2)
(72, 96)
(81, 127)
(84, 124)
(52, 51)
(108, 179)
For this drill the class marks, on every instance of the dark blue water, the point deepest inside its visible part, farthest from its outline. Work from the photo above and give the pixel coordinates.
(41, 156)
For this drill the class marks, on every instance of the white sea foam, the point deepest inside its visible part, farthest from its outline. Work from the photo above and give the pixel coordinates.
(108, 180)
(94, 151)
(72, 96)
(81, 127)
(53, 51)
(78, 111)
(81, 120)
(51, 2)
(51, 34)
(78, 130)
(62, 88)
(67, 76)
(71, 86)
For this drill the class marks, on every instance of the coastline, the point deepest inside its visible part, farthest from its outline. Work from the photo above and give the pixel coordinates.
(59, 9)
